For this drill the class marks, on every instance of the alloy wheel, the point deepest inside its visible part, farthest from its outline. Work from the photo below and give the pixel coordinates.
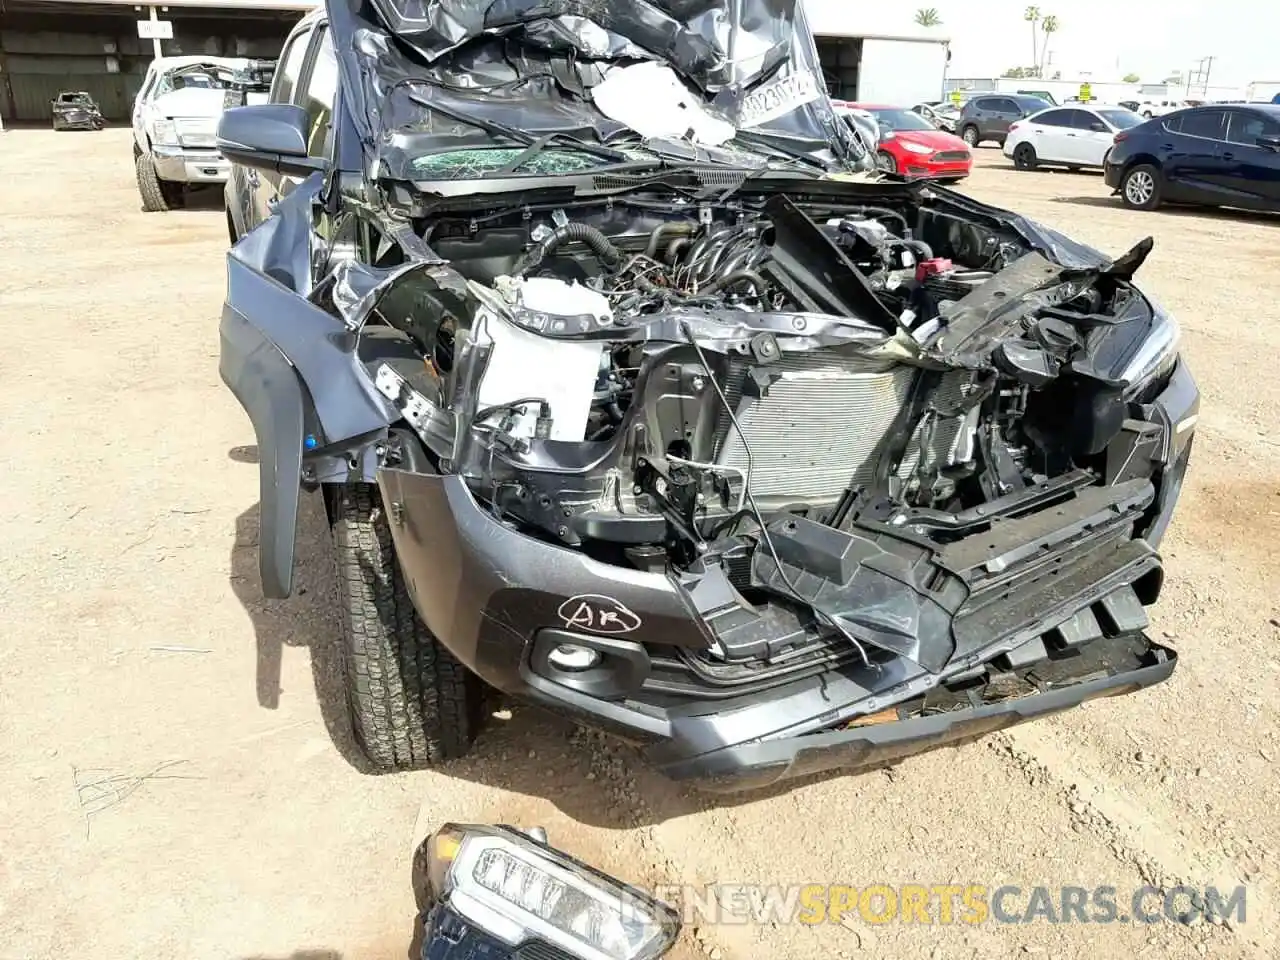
(1139, 188)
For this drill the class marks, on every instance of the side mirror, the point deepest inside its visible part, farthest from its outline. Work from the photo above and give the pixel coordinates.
(1270, 141)
(268, 136)
(1098, 127)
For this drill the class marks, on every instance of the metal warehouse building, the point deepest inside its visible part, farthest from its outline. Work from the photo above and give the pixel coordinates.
(47, 47)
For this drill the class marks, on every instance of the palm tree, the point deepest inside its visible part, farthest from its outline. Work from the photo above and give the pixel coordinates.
(1050, 26)
(1032, 16)
(928, 17)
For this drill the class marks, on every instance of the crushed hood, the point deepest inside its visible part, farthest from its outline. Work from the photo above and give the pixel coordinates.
(534, 64)
(696, 37)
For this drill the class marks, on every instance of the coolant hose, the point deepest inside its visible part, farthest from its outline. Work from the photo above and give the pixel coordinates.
(921, 249)
(675, 247)
(886, 213)
(664, 230)
(580, 232)
(730, 279)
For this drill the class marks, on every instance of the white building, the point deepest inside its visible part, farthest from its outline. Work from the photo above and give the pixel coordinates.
(877, 53)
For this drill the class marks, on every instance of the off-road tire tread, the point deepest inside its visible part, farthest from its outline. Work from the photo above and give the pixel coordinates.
(413, 705)
(157, 196)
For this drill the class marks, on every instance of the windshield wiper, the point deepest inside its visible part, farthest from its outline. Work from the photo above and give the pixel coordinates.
(540, 144)
(533, 143)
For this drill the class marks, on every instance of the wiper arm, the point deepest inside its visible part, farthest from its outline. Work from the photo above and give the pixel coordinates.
(540, 144)
(534, 144)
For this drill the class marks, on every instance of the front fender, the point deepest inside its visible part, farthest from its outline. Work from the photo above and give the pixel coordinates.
(295, 369)
(267, 387)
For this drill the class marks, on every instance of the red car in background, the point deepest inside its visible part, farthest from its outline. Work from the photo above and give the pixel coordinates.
(912, 146)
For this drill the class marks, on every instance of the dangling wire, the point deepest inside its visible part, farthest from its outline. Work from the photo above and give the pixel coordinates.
(821, 614)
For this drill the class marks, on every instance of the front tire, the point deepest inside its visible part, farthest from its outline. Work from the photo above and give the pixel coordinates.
(970, 136)
(885, 162)
(412, 704)
(1140, 187)
(157, 195)
(1024, 157)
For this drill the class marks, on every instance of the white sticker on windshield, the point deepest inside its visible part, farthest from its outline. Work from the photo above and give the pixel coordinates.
(777, 99)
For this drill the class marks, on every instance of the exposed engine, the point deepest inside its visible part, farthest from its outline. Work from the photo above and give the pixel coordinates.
(652, 395)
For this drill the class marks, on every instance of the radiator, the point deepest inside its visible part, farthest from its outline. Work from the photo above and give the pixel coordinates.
(823, 423)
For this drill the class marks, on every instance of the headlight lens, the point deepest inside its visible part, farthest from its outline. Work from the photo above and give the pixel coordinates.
(917, 147)
(164, 132)
(1156, 355)
(518, 890)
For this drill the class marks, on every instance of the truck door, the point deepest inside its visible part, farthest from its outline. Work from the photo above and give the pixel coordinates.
(258, 190)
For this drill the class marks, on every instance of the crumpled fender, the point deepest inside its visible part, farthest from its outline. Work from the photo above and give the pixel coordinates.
(265, 384)
(294, 368)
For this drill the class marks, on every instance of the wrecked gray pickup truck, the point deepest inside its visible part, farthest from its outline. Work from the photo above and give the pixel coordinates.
(625, 402)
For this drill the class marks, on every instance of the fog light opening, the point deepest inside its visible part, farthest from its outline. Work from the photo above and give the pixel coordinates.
(572, 658)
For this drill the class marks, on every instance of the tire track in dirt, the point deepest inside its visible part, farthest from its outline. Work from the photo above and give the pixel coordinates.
(1138, 833)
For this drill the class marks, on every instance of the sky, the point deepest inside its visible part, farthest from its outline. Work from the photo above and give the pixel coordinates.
(1110, 38)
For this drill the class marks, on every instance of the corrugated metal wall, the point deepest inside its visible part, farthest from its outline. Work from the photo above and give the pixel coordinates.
(40, 55)
(35, 83)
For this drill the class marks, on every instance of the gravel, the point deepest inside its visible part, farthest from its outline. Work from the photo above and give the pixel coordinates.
(113, 422)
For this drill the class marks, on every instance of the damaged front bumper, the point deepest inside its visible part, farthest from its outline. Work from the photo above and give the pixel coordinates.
(1054, 617)
(188, 165)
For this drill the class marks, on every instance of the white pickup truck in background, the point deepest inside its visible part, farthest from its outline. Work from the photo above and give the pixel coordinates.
(175, 119)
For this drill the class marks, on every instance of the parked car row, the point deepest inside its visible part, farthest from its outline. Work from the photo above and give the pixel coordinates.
(942, 114)
(910, 145)
(989, 118)
(1212, 155)
(1073, 137)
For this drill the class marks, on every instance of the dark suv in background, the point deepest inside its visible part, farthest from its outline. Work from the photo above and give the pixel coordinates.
(988, 117)
(1225, 156)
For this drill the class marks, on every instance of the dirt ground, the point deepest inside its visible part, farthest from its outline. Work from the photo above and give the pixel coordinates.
(175, 773)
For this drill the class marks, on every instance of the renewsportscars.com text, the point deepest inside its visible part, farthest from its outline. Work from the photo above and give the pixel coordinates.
(952, 903)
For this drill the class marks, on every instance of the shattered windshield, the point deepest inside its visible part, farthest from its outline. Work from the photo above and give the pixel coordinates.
(484, 161)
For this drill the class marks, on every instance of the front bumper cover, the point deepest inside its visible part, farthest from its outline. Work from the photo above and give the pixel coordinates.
(498, 598)
(186, 165)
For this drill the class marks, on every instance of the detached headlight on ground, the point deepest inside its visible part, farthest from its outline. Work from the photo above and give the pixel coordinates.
(1157, 354)
(519, 890)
